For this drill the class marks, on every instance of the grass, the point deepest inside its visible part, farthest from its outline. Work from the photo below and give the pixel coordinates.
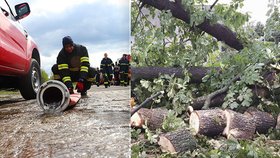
(9, 91)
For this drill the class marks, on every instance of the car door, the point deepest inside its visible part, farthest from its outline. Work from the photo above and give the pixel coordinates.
(13, 41)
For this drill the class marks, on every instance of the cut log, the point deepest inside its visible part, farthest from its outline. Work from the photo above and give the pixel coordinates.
(264, 121)
(177, 141)
(278, 122)
(136, 120)
(154, 118)
(239, 126)
(208, 122)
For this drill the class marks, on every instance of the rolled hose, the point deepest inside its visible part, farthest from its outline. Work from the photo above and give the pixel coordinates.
(53, 96)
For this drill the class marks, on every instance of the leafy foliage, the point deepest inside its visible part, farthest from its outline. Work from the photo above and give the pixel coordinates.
(272, 27)
(161, 40)
(175, 89)
(172, 122)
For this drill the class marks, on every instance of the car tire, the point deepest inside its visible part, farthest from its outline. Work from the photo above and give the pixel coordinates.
(30, 83)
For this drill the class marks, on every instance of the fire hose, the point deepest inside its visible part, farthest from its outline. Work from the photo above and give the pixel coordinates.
(53, 96)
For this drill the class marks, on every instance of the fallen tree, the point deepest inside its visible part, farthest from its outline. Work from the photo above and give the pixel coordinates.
(215, 29)
(213, 99)
(151, 72)
(216, 96)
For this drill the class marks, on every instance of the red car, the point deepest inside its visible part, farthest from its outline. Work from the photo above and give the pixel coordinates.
(19, 55)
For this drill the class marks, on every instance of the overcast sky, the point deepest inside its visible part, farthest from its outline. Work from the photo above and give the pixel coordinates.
(100, 25)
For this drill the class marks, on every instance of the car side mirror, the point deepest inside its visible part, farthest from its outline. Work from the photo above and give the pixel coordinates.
(22, 10)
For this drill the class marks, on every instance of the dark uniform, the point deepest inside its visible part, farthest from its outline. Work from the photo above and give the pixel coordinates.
(124, 67)
(74, 66)
(97, 78)
(107, 71)
(116, 74)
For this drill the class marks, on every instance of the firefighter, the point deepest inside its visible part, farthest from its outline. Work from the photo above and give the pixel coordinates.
(116, 74)
(106, 68)
(124, 67)
(73, 65)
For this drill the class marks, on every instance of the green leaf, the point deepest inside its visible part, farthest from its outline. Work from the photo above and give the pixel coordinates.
(233, 105)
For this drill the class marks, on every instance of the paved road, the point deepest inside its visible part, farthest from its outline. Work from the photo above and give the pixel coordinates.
(97, 127)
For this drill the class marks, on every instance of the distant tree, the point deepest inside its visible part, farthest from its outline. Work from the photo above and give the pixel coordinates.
(44, 76)
(272, 26)
(272, 4)
(259, 29)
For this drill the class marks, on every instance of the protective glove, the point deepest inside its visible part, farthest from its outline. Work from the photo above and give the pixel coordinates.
(80, 85)
(71, 90)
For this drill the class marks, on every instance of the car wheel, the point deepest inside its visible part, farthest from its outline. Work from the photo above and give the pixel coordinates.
(30, 83)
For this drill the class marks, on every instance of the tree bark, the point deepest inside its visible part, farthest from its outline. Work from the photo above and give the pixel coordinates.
(208, 122)
(239, 126)
(152, 72)
(217, 101)
(154, 118)
(219, 31)
(264, 121)
(177, 141)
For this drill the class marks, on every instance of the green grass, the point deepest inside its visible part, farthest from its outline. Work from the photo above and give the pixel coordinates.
(9, 92)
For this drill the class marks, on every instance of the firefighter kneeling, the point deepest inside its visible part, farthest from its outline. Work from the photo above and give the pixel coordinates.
(124, 67)
(73, 65)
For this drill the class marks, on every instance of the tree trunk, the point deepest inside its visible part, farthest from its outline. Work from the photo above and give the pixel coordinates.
(208, 122)
(264, 121)
(177, 141)
(219, 31)
(148, 73)
(154, 118)
(239, 126)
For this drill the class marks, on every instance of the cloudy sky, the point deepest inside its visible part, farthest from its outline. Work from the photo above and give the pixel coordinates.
(100, 25)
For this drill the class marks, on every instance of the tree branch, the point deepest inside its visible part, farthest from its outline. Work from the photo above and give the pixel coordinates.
(134, 24)
(219, 31)
(146, 102)
(210, 96)
(212, 6)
